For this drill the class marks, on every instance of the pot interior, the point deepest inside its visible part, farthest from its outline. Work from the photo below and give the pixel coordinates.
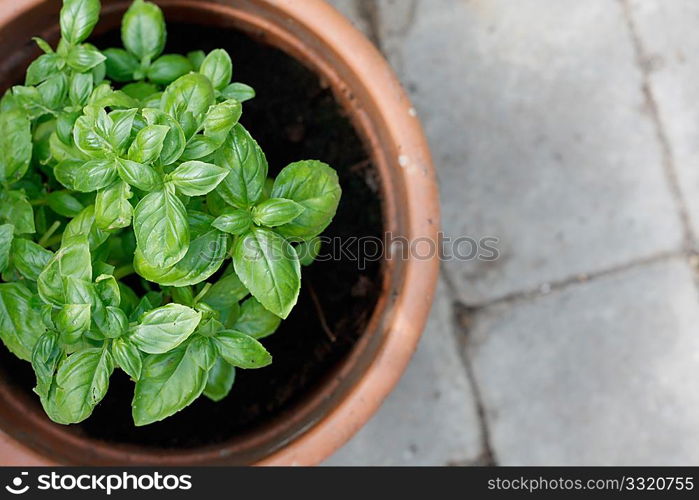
(294, 116)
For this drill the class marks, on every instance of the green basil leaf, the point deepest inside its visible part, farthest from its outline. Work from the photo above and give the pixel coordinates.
(198, 147)
(43, 45)
(139, 175)
(71, 261)
(220, 119)
(54, 91)
(190, 123)
(94, 175)
(314, 186)
(268, 266)
(27, 100)
(191, 93)
(59, 150)
(196, 57)
(84, 225)
(81, 86)
(216, 205)
(116, 323)
(169, 382)
(226, 292)
(234, 221)
(20, 324)
(141, 91)
(15, 145)
(255, 320)
(42, 68)
(90, 139)
(183, 295)
(6, 237)
(64, 204)
(67, 171)
(162, 232)
(205, 256)
(128, 299)
(230, 315)
(148, 144)
(218, 68)
(72, 321)
(16, 209)
(276, 212)
(143, 30)
(204, 352)
(111, 98)
(242, 351)
(162, 330)
(220, 381)
(78, 19)
(175, 141)
(45, 357)
(142, 307)
(246, 162)
(208, 327)
(80, 291)
(196, 178)
(127, 357)
(99, 73)
(123, 121)
(238, 91)
(81, 383)
(108, 290)
(83, 58)
(112, 207)
(29, 258)
(101, 268)
(121, 65)
(168, 68)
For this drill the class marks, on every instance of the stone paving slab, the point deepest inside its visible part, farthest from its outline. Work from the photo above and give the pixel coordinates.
(602, 373)
(430, 419)
(541, 134)
(667, 31)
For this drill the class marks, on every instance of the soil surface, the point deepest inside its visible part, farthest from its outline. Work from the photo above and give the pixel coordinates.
(294, 117)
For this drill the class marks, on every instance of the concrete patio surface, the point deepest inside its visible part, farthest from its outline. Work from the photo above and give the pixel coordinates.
(569, 131)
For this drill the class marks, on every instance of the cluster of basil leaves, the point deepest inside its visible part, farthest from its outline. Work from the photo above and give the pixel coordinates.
(158, 178)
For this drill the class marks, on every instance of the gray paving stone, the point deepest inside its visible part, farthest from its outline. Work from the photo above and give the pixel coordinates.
(430, 419)
(668, 34)
(602, 373)
(540, 133)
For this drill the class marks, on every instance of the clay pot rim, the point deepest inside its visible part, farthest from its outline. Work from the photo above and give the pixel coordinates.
(401, 146)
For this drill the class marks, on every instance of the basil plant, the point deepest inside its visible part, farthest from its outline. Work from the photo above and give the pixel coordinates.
(139, 229)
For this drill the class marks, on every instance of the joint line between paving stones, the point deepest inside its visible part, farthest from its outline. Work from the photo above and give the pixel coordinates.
(548, 288)
(666, 150)
(487, 455)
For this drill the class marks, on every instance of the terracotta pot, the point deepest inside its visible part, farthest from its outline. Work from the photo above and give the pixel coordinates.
(318, 36)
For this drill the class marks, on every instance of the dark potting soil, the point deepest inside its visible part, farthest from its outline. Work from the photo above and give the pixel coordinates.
(294, 117)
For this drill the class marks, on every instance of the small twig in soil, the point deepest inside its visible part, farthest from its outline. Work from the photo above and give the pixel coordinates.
(321, 314)
(358, 167)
